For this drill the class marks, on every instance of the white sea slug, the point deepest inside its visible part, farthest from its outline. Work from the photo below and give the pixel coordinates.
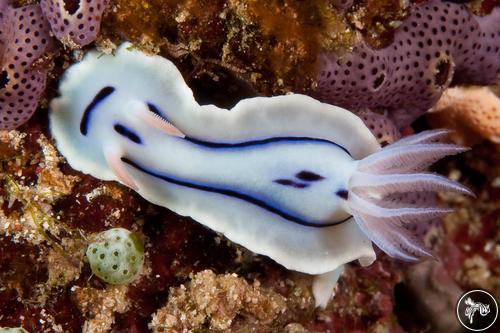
(302, 182)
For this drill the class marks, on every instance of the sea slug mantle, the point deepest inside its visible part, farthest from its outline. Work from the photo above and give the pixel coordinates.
(302, 182)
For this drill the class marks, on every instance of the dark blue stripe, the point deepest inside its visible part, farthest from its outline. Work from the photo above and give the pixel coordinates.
(234, 194)
(128, 133)
(344, 194)
(309, 176)
(289, 182)
(101, 95)
(219, 145)
(153, 108)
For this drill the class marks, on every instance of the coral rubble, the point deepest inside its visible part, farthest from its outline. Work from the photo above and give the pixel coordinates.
(99, 306)
(377, 19)
(217, 300)
(30, 190)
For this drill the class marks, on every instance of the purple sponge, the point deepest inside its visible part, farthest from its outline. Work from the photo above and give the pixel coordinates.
(24, 40)
(381, 127)
(481, 64)
(437, 40)
(77, 25)
(342, 4)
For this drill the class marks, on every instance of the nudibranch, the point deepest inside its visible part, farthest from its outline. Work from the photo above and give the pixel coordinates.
(289, 177)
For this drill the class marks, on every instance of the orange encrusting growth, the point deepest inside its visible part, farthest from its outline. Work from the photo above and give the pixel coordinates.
(473, 113)
(273, 44)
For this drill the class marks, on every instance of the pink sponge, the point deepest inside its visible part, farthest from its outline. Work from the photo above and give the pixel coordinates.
(24, 40)
(77, 25)
(407, 78)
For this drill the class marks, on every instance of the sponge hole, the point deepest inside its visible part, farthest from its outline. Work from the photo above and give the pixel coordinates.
(4, 79)
(379, 81)
(442, 72)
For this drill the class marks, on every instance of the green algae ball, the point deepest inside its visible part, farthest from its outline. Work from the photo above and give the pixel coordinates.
(12, 330)
(116, 256)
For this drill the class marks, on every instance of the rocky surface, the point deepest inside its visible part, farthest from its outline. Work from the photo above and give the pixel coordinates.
(226, 50)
